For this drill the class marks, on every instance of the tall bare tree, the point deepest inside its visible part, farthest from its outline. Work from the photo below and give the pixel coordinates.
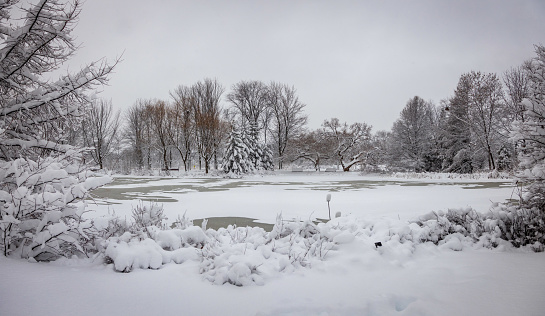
(100, 130)
(250, 99)
(517, 84)
(208, 125)
(183, 133)
(161, 125)
(135, 132)
(486, 108)
(412, 134)
(288, 116)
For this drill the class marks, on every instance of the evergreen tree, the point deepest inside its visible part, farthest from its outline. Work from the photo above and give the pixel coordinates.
(266, 157)
(250, 139)
(456, 138)
(236, 159)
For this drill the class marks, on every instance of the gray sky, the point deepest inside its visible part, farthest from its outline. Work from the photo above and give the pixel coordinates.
(359, 61)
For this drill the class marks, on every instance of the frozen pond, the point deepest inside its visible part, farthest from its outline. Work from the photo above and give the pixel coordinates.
(297, 196)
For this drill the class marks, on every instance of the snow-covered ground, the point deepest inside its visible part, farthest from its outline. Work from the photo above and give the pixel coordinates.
(354, 278)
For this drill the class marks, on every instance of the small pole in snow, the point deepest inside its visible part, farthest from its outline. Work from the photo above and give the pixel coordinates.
(328, 198)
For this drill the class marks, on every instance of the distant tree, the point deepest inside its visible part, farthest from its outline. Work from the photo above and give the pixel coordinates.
(100, 130)
(183, 136)
(43, 182)
(485, 114)
(457, 133)
(249, 99)
(135, 132)
(266, 162)
(531, 133)
(473, 133)
(412, 134)
(380, 154)
(312, 146)
(161, 125)
(236, 159)
(207, 117)
(251, 140)
(517, 88)
(350, 143)
(288, 116)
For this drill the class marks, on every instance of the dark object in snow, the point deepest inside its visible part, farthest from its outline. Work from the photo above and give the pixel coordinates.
(378, 244)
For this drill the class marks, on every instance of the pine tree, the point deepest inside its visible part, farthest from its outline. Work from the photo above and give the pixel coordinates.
(250, 139)
(456, 138)
(267, 162)
(236, 159)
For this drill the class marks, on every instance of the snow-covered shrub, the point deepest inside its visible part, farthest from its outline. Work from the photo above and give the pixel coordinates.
(520, 227)
(41, 203)
(128, 252)
(182, 222)
(146, 216)
(234, 255)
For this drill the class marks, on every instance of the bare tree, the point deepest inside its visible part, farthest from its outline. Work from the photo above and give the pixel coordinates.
(486, 107)
(412, 134)
(207, 111)
(135, 131)
(249, 98)
(517, 85)
(160, 125)
(312, 146)
(350, 142)
(183, 133)
(288, 117)
(99, 130)
(474, 122)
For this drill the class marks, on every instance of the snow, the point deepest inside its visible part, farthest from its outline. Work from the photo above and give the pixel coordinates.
(247, 271)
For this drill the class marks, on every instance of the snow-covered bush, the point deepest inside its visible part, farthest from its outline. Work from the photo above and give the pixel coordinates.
(41, 204)
(128, 252)
(146, 216)
(244, 256)
(518, 226)
(235, 255)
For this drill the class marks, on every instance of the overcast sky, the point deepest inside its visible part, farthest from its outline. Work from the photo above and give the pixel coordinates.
(359, 61)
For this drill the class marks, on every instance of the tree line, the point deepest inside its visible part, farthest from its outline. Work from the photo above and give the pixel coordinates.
(265, 124)
(470, 131)
(193, 129)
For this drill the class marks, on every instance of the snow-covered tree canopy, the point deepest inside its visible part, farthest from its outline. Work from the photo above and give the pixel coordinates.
(43, 182)
(34, 110)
